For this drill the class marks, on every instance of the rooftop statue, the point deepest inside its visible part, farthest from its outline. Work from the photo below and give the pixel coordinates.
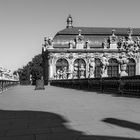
(71, 44)
(111, 42)
(129, 43)
(137, 44)
(105, 44)
(87, 44)
(79, 41)
(121, 43)
(113, 38)
(50, 41)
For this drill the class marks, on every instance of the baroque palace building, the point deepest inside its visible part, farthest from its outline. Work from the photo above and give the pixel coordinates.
(91, 52)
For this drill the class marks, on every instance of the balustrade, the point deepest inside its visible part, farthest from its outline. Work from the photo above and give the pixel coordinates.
(5, 84)
(119, 85)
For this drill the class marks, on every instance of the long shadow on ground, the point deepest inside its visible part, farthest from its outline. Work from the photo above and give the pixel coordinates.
(37, 125)
(122, 123)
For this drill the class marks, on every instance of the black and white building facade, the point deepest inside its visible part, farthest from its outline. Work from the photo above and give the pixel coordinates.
(91, 52)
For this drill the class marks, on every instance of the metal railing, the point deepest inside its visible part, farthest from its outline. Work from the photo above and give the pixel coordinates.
(119, 85)
(6, 84)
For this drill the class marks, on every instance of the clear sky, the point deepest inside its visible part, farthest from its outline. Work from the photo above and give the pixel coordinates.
(24, 23)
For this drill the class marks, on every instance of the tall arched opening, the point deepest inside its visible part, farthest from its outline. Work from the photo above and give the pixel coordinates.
(113, 68)
(79, 68)
(98, 65)
(62, 68)
(131, 67)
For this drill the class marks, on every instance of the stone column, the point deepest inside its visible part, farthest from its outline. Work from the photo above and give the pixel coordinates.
(70, 69)
(51, 74)
(105, 63)
(91, 67)
(82, 71)
(87, 69)
(138, 65)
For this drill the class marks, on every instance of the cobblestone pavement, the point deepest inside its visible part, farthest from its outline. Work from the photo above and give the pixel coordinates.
(67, 114)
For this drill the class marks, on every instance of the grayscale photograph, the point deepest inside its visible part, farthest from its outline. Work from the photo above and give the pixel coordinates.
(69, 69)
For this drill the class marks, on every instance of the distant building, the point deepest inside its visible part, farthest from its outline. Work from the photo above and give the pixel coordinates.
(8, 75)
(88, 52)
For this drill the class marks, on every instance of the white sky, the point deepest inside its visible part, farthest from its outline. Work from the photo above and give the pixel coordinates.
(24, 23)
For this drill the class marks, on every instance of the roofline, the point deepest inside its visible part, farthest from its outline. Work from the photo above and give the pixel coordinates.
(98, 33)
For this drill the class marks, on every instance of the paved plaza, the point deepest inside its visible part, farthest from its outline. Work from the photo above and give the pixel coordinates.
(67, 114)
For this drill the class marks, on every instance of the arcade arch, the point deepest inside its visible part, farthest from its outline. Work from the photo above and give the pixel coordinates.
(79, 68)
(113, 68)
(97, 72)
(131, 67)
(62, 68)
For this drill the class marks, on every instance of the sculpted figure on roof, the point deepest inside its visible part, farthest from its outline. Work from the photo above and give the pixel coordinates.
(71, 44)
(79, 41)
(121, 43)
(50, 41)
(113, 38)
(87, 44)
(79, 37)
(105, 44)
(137, 44)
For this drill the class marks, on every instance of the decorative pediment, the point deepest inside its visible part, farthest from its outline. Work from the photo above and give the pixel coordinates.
(111, 41)
(79, 38)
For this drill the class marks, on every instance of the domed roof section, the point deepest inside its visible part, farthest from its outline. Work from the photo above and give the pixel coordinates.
(95, 35)
(98, 31)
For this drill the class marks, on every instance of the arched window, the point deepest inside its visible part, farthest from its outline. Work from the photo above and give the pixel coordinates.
(62, 68)
(79, 68)
(97, 68)
(131, 67)
(113, 68)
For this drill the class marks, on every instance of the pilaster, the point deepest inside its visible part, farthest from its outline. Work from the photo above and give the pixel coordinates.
(138, 64)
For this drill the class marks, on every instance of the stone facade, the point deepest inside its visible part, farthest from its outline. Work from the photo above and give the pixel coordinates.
(71, 54)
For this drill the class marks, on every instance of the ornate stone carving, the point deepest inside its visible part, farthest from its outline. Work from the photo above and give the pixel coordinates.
(113, 39)
(123, 64)
(70, 56)
(79, 41)
(105, 44)
(105, 63)
(121, 44)
(75, 71)
(65, 73)
(138, 42)
(91, 67)
(129, 45)
(48, 42)
(70, 71)
(71, 44)
(87, 44)
(82, 71)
